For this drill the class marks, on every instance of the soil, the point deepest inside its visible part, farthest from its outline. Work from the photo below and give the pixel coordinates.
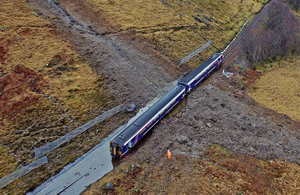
(126, 64)
(218, 113)
(222, 142)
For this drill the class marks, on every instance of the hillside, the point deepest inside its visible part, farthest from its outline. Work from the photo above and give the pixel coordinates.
(47, 90)
(59, 71)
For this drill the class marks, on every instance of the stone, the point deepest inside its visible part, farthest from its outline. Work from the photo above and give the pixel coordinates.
(182, 139)
(208, 125)
(135, 190)
(131, 168)
(109, 186)
(189, 144)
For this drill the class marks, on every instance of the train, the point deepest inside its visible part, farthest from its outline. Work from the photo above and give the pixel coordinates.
(127, 138)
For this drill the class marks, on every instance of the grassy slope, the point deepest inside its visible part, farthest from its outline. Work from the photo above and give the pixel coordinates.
(172, 28)
(46, 91)
(279, 87)
(218, 172)
(71, 82)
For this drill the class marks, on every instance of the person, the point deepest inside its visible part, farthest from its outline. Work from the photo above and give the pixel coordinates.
(169, 154)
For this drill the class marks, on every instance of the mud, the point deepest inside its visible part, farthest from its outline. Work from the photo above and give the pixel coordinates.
(132, 74)
(232, 120)
(217, 112)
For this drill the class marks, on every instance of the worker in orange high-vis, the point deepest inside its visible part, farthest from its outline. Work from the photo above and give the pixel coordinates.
(169, 154)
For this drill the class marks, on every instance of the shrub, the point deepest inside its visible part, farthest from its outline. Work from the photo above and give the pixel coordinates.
(278, 36)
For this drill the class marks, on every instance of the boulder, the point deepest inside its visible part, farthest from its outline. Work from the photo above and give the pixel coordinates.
(109, 186)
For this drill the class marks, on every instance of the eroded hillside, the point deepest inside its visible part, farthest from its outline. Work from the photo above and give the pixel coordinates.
(57, 75)
(174, 28)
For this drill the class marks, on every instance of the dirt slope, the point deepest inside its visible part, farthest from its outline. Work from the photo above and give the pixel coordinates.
(123, 65)
(51, 86)
(213, 116)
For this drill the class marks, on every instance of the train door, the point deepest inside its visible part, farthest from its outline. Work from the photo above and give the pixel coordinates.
(131, 142)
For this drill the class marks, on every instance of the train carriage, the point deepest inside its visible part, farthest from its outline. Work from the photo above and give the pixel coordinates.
(203, 71)
(129, 136)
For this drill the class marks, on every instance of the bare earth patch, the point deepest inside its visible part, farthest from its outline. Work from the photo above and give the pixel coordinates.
(57, 74)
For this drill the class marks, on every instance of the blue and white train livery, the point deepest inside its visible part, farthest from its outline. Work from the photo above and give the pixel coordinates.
(129, 136)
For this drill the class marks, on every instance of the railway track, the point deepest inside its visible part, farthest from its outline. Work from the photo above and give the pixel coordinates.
(82, 173)
(236, 45)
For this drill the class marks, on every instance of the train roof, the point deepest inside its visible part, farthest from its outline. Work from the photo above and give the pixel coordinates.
(200, 68)
(126, 134)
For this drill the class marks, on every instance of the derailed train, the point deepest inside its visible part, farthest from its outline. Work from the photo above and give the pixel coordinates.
(133, 133)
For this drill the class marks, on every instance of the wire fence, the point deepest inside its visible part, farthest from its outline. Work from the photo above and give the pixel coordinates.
(55, 144)
(23, 171)
(191, 55)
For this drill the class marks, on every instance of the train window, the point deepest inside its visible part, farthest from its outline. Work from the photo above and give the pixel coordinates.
(143, 131)
(149, 125)
(167, 108)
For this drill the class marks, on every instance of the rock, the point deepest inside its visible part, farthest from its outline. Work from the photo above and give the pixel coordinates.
(206, 22)
(207, 18)
(198, 19)
(109, 186)
(189, 144)
(251, 149)
(209, 125)
(182, 139)
(132, 107)
(138, 166)
(2, 28)
(131, 168)
(238, 94)
(214, 119)
(136, 190)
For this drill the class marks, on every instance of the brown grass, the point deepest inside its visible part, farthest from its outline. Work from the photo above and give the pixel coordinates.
(172, 28)
(46, 91)
(219, 172)
(279, 88)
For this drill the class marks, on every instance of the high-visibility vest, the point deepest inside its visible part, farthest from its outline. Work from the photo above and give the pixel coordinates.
(169, 154)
